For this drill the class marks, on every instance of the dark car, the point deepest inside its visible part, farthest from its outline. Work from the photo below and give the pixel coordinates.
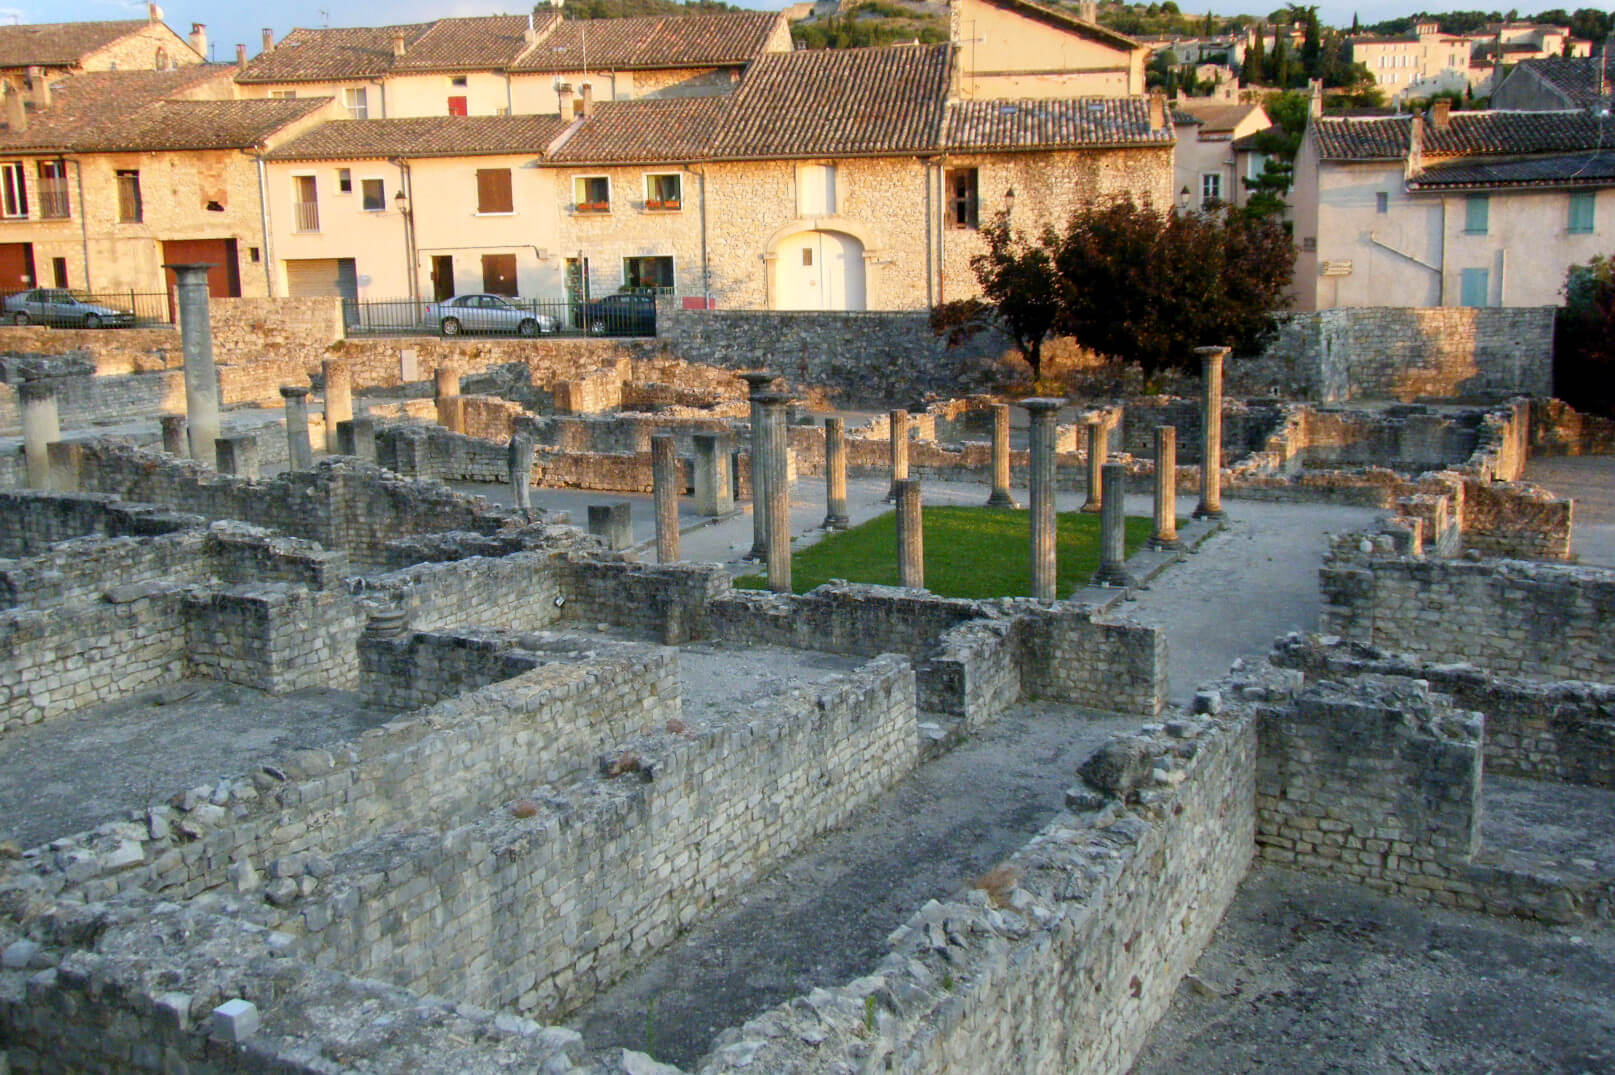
(623, 314)
(486, 313)
(62, 308)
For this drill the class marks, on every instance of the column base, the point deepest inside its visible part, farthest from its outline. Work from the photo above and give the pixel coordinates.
(1115, 575)
(1203, 512)
(836, 522)
(1001, 499)
(1092, 507)
(758, 552)
(1163, 544)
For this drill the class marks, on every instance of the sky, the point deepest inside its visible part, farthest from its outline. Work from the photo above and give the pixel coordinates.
(231, 21)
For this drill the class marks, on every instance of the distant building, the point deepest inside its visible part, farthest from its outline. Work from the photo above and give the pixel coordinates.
(1206, 169)
(1416, 64)
(67, 48)
(1556, 82)
(1024, 49)
(1450, 208)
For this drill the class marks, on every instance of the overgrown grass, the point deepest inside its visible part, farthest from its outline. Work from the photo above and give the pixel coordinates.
(969, 552)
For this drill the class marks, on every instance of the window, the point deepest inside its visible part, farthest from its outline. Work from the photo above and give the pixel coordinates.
(963, 201)
(1477, 208)
(373, 193)
(58, 271)
(457, 106)
(807, 256)
(282, 95)
(1309, 244)
(665, 191)
(1382, 202)
(1210, 189)
(648, 272)
(305, 203)
(592, 194)
(356, 102)
(1475, 287)
(816, 190)
(493, 191)
(130, 208)
(458, 81)
(1581, 212)
(13, 191)
(344, 181)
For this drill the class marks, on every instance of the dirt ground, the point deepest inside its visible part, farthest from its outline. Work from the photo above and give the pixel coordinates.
(1308, 975)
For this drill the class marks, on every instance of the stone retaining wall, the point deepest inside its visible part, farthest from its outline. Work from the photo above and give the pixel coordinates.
(273, 637)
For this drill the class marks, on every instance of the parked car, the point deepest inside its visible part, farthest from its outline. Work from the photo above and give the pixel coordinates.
(622, 314)
(62, 308)
(486, 313)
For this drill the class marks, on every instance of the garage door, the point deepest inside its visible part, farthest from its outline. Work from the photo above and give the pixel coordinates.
(223, 279)
(308, 278)
(17, 267)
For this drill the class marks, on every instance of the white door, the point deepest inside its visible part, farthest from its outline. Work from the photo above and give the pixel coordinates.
(820, 270)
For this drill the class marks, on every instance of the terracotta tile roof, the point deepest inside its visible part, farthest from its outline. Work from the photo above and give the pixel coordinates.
(192, 125)
(83, 105)
(1051, 124)
(306, 55)
(660, 41)
(1064, 20)
(60, 44)
(643, 131)
(1351, 138)
(1574, 77)
(1513, 133)
(423, 136)
(1218, 116)
(1591, 169)
(837, 102)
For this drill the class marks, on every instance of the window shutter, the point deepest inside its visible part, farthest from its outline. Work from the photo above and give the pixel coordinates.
(493, 191)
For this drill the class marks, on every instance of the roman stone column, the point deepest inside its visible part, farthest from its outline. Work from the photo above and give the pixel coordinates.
(39, 428)
(1098, 449)
(756, 383)
(1042, 411)
(1211, 359)
(299, 452)
(899, 434)
(778, 493)
(445, 382)
(910, 536)
(201, 375)
(1165, 535)
(665, 484)
(835, 474)
(519, 459)
(451, 413)
(714, 492)
(173, 434)
(338, 398)
(1001, 496)
(1113, 528)
(237, 454)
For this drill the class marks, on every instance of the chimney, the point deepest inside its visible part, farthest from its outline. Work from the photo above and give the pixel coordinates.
(398, 44)
(16, 113)
(241, 57)
(1157, 111)
(1441, 113)
(39, 83)
(154, 13)
(1088, 11)
(269, 40)
(586, 104)
(199, 39)
(530, 35)
(564, 92)
(1315, 97)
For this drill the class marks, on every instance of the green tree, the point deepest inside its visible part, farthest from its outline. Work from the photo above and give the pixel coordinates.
(1279, 145)
(1254, 70)
(1311, 42)
(1584, 338)
(1020, 294)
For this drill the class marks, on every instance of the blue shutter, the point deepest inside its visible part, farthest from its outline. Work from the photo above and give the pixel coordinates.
(1475, 288)
(1476, 210)
(1581, 212)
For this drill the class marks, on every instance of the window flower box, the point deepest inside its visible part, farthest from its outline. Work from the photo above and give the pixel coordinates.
(664, 204)
(594, 207)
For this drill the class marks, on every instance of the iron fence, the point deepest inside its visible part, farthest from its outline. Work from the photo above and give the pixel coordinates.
(59, 307)
(619, 314)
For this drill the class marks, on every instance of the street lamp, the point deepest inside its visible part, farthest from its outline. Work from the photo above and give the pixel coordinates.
(401, 203)
(1183, 198)
(1009, 201)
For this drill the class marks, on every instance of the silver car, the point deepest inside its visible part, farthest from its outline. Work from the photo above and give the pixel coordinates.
(60, 307)
(486, 313)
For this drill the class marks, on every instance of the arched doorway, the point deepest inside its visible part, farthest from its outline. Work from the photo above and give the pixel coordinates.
(820, 270)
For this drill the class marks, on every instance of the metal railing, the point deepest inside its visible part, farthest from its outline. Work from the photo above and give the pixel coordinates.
(53, 203)
(305, 216)
(620, 314)
(72, 308)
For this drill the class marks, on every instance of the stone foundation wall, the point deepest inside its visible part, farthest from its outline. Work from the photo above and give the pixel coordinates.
(424, 669)
(31, 521)
(81, 570)
(517, 592)
(1512, 617)
(541, 912)
(668, 601)
(273, 637)
(85, 400)
(1379, 782)
(1559, 429)
(848, 618)
(1066, 655)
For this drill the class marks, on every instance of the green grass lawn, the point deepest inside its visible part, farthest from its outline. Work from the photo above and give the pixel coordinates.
(969, 552)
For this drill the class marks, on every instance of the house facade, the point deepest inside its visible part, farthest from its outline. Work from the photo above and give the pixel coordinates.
(1416, 64)
(70, 48)
(1208, 169)
(1019, 49)
(1557, 82)
(1450, 208)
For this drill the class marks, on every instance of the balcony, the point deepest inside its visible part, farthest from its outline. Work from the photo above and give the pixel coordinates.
(305, 216)
(53, 203)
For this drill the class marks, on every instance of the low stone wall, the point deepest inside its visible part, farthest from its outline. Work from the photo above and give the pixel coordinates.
(1407, 353)
(1557, 428)
(83, 401)
(1561, 730)
(545, 910)
(31, 521)
(1513, 617)
(517, 592)
(81, 570)
(273, 637)
(1067, 655)
(425, 669)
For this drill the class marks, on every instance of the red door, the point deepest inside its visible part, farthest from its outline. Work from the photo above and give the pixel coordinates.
(223, 279)
(457, 106)
(17, 267)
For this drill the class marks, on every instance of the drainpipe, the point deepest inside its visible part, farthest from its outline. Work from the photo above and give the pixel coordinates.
(930, 290)
(706, 274)
(84, 234)
(269, 243)
(407, 185)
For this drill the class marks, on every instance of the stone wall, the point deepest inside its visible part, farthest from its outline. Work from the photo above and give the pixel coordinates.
(1407, 354)
(81, 570)
(540, 912)
(1559, 429)
(518, 592)
(425, 669)
(1067, 655)
(274, 637)
(1509, 616)
(1562, 730)
(31, 521)
(1379, 782)
(84, 401)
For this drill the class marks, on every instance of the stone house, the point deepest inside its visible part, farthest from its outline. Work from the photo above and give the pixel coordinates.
(1557, 82)
(106, 176)
(1207, 169)
(510, 64)
(1023, 49)
(1415, 64)
(1450, 208)
(843, 179)
(70, 48)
